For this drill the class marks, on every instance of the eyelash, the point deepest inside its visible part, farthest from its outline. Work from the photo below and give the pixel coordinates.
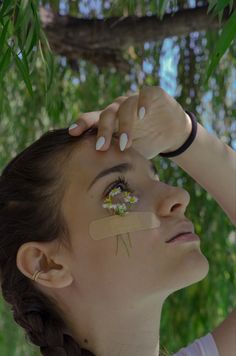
(119, 180)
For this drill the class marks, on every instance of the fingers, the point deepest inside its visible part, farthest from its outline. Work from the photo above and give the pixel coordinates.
(118, 117)
(85, 121)
(88, 119)
(126, 115)
(108, 124)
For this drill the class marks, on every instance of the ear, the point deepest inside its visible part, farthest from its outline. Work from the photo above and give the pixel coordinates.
(46, 257)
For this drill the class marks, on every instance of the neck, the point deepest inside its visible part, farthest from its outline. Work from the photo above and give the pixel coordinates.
(115, 330)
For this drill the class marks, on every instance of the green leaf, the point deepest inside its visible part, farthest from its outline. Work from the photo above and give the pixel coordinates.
(212, 3)
(3, 36)
(41, 52)
(223, 43)
(45, 40)
(50, 69)
(48, 59)
(22, 66)
(25, 61)
(5, 62)
(231, 5)
(32, 40)
(23, 15)
(220, 5)
(36, 18)
(7, 6)
(162, 7)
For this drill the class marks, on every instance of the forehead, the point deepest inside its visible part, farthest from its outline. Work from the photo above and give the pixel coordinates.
(86, 162)
(90, 160)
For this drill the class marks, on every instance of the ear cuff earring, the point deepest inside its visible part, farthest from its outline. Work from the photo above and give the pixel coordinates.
(36, 275)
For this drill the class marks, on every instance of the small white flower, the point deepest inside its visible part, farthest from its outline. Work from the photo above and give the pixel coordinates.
(121, 209)
(115, 191)
(131, 199)
(105, 205)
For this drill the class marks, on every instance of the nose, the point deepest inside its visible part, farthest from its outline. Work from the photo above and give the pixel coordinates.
(173, 201)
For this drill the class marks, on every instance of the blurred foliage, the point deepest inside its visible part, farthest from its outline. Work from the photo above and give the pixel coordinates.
(22, 38)
(60, 95)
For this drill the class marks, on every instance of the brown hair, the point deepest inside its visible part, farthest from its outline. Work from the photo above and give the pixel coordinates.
(32, 186)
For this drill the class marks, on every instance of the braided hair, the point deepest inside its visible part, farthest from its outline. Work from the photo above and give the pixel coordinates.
(32, 186)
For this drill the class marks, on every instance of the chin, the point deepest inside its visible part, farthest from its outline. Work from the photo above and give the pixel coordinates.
(196, 272)
(195, 269)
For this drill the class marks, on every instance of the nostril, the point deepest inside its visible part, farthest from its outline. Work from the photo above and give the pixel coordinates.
(175, 206)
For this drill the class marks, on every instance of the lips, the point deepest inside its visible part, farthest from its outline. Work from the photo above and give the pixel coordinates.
(182, 233)
(185, 229)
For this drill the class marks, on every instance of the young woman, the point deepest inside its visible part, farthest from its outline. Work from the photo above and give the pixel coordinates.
(73, 294)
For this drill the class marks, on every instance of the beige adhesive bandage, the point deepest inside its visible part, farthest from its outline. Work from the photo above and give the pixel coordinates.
(123, 222)
(116, 224)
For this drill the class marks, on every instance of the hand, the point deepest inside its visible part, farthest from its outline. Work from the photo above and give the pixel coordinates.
(164, 128)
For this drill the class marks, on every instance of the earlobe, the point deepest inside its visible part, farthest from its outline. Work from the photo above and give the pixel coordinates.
(33, 256)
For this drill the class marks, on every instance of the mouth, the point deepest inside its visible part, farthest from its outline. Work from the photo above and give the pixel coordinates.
(184, 230)
(176, 237)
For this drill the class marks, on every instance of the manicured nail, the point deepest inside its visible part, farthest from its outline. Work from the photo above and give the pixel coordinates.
(123, 141)
(100, 142)
(141, 112)
(73, 126)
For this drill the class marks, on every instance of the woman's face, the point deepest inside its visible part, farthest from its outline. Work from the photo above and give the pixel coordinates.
(154, 267)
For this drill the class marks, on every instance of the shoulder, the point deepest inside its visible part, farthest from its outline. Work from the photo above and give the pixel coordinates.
(204, 346)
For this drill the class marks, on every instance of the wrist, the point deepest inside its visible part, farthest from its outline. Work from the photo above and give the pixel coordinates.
(186, 132)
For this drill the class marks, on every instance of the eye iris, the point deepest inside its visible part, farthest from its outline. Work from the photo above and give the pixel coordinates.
(120, 182)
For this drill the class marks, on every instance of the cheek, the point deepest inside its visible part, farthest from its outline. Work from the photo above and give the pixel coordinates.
(147, 243)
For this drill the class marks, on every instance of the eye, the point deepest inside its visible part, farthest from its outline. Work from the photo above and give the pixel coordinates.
(122, 182)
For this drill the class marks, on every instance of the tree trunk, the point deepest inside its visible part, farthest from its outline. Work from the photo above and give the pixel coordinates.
(102, 41)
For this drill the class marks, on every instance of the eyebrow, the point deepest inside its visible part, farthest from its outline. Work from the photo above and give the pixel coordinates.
(121, 168)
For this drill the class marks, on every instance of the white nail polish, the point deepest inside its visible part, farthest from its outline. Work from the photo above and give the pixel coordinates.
(123, 141)
(73, 126)
(141, 112)
(100, 142)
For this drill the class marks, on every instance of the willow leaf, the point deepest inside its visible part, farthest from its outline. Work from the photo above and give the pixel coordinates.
(227, 35)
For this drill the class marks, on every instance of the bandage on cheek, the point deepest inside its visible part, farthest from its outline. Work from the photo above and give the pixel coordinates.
(121, 222)
(112, 225)
(118, 225)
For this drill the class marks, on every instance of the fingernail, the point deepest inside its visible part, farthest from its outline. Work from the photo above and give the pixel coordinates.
(73, 126)
(141, 112)
(100, 142)
(123, 141)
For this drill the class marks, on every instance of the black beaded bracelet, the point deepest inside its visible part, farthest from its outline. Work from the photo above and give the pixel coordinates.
(188, 142)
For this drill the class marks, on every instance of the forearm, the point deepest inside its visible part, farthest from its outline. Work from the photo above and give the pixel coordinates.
(213, 165)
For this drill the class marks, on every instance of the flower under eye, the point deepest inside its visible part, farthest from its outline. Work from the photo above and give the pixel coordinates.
(119, 186)
(119, 208)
